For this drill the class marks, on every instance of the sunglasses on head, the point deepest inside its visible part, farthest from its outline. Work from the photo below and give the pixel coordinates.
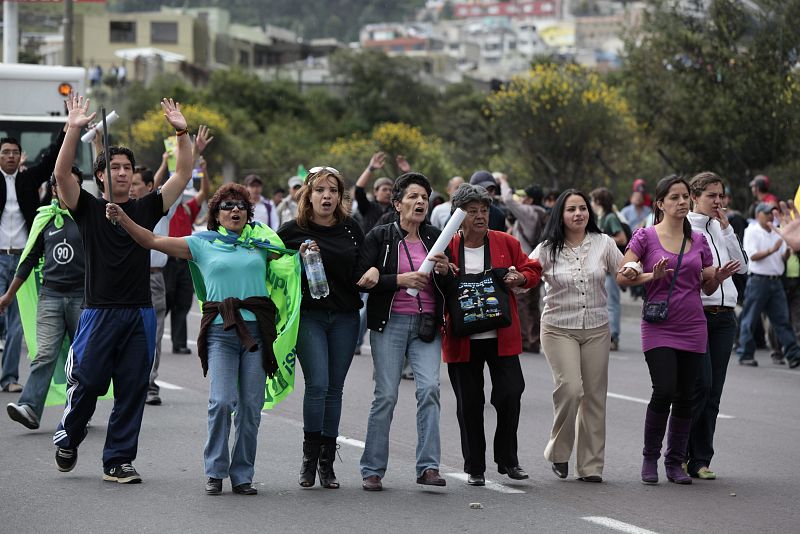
(315, 170)
(228, 205)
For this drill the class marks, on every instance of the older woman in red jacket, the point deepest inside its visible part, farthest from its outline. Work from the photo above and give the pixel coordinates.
(498, 347)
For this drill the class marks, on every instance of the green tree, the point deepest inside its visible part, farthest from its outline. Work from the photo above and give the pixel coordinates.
(564, 123)
(718, 91)
(463, 122)
(383, 89)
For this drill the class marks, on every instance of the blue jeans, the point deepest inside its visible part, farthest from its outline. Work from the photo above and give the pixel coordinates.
(325, 350)
(389, 348)
(8, 268)
(711, 372)
(238, 383)
(56, 316)
(766, 295)
(614, 308)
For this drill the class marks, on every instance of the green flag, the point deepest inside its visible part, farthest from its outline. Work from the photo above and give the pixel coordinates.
(283, 286)
(302, 172)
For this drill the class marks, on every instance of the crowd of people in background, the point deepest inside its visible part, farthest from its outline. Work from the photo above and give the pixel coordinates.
(132, 256)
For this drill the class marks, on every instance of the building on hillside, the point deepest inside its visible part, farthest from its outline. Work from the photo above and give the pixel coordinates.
(548, 9)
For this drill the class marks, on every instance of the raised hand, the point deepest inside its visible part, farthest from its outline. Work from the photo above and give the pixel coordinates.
(172, 112)
(78, 111)
(377, 160)
(789, 229)
(202, 139)
(402, 163)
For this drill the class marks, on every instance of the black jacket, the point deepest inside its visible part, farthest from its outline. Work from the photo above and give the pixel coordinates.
(380, 250)
(28, 181)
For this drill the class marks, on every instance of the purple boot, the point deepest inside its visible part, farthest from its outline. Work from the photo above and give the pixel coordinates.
(677, 441)
(655, 424)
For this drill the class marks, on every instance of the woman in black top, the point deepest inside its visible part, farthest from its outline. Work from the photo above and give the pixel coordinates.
(328, 325)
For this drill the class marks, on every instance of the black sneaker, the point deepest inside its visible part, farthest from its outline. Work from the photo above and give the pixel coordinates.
(124, 474)
(748, 362)
(66, 459)
(213, 486)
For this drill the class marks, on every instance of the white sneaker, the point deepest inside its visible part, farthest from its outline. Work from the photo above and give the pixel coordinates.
(23, 414)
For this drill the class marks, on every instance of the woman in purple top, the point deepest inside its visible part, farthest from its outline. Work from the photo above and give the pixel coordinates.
(672, 347)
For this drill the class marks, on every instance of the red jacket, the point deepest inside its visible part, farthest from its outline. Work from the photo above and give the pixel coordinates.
(505, 251)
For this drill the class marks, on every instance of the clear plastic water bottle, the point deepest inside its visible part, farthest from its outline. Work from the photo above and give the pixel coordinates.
(315, 273)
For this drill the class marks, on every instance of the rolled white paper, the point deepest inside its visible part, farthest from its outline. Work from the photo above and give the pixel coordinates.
(447, 234)
(98, 128)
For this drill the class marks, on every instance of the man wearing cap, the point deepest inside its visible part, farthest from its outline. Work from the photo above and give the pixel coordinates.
(759, 186)
(372, 210)
(497, 218)
(287, 209)
(764, 292)
(530, 219)
(636, 212)
(640, 186)
(263, 210)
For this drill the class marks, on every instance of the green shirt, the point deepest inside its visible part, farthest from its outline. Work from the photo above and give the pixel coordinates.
(610, 224)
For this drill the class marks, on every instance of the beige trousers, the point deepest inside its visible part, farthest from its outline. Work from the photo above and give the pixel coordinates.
(579, 361)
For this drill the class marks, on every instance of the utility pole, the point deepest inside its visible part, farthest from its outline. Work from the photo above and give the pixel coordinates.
(69, 57)
(10, 31)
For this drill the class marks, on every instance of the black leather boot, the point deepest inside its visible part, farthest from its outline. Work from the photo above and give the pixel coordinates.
(308, 469)
(327, 455)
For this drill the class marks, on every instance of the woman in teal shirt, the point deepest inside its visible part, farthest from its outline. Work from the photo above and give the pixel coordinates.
(239, 359)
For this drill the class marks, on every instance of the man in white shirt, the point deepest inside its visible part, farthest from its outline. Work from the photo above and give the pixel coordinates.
(19, 200)
(287, 209)
(263, 210)
(143, 183)
(441, 213)
(764, 292)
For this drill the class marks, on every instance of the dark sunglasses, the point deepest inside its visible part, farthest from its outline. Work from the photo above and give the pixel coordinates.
(228, 205)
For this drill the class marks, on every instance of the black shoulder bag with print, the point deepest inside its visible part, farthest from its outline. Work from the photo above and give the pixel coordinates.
(480, 302)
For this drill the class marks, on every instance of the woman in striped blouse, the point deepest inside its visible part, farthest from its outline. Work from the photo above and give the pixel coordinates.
(576, 257)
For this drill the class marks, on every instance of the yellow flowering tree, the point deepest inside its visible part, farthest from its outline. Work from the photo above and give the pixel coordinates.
(563, 123)
(146, 137)
(425, 153)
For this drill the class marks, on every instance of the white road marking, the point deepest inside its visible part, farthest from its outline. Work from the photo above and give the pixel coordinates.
(494, 486)
(167, 385)
(344, 440)
(617, 525)
(647, 401)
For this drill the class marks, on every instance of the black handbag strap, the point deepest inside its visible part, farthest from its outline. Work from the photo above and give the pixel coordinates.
(410, 262)
(487, 257)
(677, 269)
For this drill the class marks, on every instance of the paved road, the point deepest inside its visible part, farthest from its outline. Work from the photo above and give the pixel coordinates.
(757, 463)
